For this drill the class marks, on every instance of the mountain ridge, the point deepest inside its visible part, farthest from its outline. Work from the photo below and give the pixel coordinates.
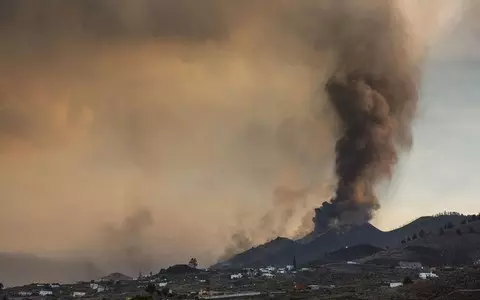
(316, 245)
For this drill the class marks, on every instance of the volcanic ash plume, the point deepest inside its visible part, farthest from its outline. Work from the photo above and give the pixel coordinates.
(126, 242)
(374, 94)
(202, 105)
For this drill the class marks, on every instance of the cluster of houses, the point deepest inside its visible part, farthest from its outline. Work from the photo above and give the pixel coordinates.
(76, 291)
(414, 266)
(267, 272)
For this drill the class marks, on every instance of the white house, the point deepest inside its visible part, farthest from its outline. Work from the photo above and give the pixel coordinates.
(236, 276)
(45, 293)
(24, 294)
(78, 294)
(54, 286)
(162, 284)
(410, 265)
(395, 284)
(352, 262)
(289, 267)
(427, 275)
(268, 275)
(306, 269)
(94, 286)
(271, 269)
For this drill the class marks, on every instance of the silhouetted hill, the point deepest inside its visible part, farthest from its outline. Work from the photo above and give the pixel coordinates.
(276, 252)
(339, 237)
(116, 277)
(457, 245)
(282, 250)
(181, 269)
(425, 244)
(347, 254)
(427, 224)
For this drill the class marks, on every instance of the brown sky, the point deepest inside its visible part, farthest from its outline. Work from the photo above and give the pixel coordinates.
(110, 107)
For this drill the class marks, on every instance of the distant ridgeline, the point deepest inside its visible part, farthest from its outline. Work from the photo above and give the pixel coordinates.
(432, 234)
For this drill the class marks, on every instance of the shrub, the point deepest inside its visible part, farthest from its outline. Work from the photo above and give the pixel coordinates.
(407, 280)
(151, 289)
(421, 233)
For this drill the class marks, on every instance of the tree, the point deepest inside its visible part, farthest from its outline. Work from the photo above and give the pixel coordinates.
(421, 234)
(463, 222)
(471, 229)
(407, 280)
(403, 241)
(414, 237)
(458, 231)
(142, 298)
(450, 225)
(193, 263)
(409, 239)
(151, 289)
(294, 262)
(441, 232)
(165, 291)
(1, 286)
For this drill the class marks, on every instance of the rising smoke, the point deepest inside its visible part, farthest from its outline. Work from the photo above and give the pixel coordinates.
(374, 91)
(126, 242)
(206, 107)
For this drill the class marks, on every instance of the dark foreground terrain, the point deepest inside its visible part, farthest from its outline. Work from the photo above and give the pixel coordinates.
(331, 281)
(343, 263)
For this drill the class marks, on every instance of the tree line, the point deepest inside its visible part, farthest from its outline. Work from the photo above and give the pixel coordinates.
(449, 225)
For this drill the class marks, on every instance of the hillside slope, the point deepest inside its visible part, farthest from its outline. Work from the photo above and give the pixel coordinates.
(457, 245)
(279, 251)
(347, 254)
(316, 246)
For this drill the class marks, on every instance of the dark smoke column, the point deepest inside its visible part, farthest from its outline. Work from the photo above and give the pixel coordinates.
(374, 93)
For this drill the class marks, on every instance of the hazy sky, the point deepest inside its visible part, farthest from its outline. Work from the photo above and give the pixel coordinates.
(441, 171)
(187, 125)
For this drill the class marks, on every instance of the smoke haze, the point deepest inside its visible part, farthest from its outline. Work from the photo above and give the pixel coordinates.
(132, 132)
